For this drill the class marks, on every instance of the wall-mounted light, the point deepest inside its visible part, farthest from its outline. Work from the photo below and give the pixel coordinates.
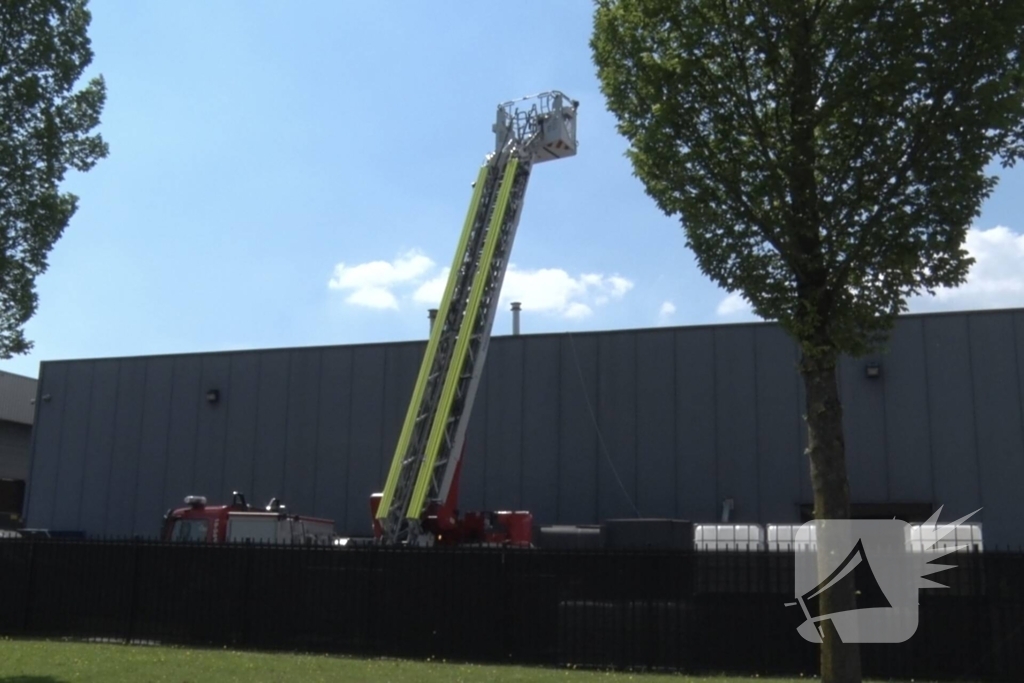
(873, 370)
(212, 395)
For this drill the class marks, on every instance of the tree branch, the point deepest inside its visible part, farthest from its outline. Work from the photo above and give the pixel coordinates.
(829, 104)
(818, 8)
(845, 268)
(754, 119)
(803, 152)
(739, 206)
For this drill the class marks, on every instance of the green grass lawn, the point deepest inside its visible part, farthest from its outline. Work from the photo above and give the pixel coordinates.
(64, 662)
(58, 662)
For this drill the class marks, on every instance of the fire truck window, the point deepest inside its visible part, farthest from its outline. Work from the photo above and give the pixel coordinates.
(189, 530)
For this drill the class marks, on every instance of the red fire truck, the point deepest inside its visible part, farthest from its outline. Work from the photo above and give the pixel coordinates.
(240, 522)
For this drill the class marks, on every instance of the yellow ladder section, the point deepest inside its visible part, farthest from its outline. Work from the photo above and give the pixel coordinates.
(466, 330)
(429, 356)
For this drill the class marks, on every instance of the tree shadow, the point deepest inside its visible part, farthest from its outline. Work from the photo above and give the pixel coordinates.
(30, 679)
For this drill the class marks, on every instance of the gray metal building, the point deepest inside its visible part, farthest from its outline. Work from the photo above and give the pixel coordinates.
(17, 394)
(576, 428)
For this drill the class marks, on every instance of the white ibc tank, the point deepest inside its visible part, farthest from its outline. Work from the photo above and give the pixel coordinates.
(728, 537)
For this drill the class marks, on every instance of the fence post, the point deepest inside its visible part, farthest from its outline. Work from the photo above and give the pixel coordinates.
(133, 602)
(508, 610)
(249, 550)
(28, 586)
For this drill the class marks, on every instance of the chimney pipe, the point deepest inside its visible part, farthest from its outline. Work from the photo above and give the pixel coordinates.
(515, 317)
(432, 313)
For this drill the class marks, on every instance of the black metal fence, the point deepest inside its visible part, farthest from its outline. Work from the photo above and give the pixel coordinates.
(695, 611)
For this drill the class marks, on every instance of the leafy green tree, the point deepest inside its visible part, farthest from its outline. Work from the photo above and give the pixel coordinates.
(45, 129)
(826, 159)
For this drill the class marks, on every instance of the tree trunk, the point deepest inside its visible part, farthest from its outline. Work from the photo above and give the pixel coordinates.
(840, 662)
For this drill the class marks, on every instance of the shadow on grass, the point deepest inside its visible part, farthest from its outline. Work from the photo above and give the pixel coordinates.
(30, 679)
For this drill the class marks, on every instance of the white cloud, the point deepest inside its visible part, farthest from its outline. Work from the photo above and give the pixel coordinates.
(379, 284)
(373, 297)
(371, 283)
(545, 290)
(666, 311)
(996, 279)
(620, 285)
(554, 291)
(733, 304)
(576, 310)
(431, 291)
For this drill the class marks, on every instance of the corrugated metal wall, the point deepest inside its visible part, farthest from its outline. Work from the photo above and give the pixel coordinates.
(15, 439)
(16, 398)
(667, 422)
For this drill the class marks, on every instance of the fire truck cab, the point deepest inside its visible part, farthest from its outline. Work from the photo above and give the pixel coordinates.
(240, 522)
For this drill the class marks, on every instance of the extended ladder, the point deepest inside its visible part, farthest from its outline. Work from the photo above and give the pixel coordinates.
(430, 443)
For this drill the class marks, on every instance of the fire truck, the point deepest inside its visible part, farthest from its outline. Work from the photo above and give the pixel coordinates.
(240, 522)
(419, 502)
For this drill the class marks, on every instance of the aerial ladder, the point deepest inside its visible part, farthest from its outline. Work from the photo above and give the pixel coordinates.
(418, 503)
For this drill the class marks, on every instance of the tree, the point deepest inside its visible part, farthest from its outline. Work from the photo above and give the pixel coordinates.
(826, 159)
(45, 129)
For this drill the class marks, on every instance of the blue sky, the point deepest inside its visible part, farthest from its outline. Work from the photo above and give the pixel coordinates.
(261, 150)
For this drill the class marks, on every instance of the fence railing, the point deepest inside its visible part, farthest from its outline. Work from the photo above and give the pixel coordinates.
(683, 611)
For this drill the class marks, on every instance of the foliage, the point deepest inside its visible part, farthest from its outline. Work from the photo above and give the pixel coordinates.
(826, 158)
(45, 129)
